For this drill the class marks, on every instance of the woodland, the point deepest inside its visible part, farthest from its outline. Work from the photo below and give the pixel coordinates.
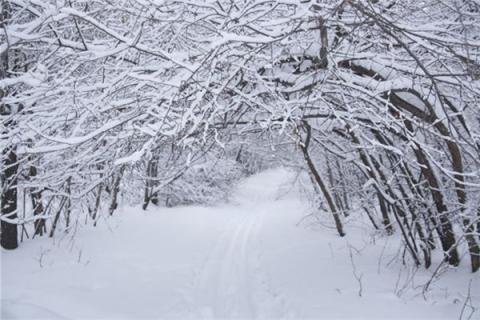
(169, 103)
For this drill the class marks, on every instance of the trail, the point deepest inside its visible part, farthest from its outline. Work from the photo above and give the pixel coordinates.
(225, 283)
(245, 259)
(231, 282)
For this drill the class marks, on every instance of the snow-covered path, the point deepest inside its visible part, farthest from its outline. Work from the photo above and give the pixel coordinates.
(245, 259)
(231, 283)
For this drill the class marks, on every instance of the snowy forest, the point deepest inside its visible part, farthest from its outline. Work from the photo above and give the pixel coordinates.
(229, 142)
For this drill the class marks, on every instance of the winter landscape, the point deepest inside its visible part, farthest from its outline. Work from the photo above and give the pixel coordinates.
(251, 159)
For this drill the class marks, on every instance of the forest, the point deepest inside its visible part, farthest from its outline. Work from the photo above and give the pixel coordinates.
(370, 107)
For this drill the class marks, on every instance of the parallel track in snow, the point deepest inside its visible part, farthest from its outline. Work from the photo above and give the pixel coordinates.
(231, 282)
(224, 286)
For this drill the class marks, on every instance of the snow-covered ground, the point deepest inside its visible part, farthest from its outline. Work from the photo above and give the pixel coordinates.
(254, 257)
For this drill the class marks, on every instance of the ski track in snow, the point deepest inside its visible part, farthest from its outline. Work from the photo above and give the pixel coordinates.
(224, 286)
(231, 282)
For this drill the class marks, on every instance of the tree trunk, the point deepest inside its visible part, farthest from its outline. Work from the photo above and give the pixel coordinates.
(68, 202)
(447, 236)
(9, 162)
(154, 175)
(370, 217)
(116, 190)
(151, 183)
(37, 205)
(9, 199)
(344, 185)
(334, 186)
(373, 174)
(318, 179)
(98, 199)
(57, 216)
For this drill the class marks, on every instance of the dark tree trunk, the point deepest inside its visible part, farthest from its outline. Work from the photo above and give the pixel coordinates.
(9, 199)
(478, 223)
(366, 160)
(98, 199)
(334, 186)
(344, 186)
(447, 236)
(116, 190)
(9, 169)
(318, 179)
(154, 175)
(151, 183)
(406, 201)
(148, 187)
(68, 202)
(57, 217)
(370, 217)
(37, 205)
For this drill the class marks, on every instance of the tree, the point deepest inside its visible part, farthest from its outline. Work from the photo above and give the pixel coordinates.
(9, 161)
(144, 92)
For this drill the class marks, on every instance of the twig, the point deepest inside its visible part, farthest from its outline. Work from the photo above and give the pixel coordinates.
(355, 274)
(468, 302)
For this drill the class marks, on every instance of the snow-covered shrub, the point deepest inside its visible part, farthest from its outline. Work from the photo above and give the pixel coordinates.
(205, 183)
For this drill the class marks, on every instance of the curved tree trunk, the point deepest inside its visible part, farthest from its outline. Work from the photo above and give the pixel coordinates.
(372, 173)
(431, 118)
(447, 236)
(318, 179)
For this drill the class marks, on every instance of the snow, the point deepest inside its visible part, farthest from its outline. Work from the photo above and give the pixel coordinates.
(253, 257)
